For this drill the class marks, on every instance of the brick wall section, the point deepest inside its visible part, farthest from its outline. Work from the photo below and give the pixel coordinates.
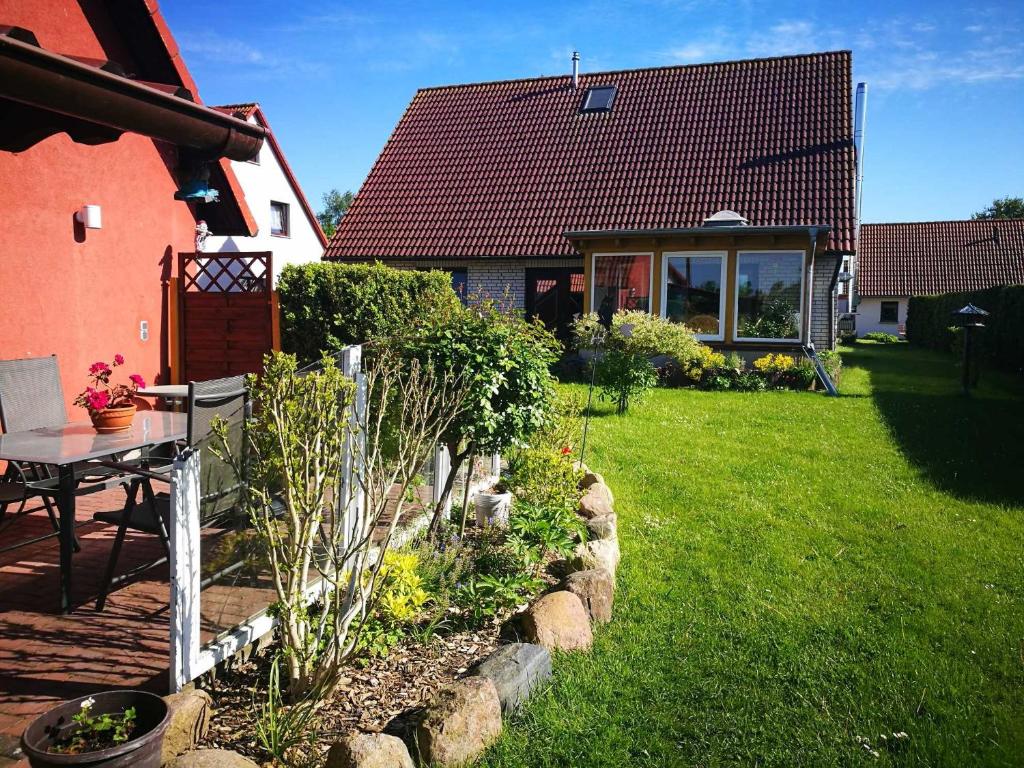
(493, 278)
(823, 312)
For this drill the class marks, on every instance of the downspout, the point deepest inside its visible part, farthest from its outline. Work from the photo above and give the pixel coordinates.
(813, 232)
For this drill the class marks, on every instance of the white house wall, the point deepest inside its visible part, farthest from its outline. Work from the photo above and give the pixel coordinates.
(869, 310)
(262, 183)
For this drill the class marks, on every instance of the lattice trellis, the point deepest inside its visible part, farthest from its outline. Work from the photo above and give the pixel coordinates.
(248, 272)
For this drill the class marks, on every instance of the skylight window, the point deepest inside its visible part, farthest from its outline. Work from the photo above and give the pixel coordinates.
(599, 99)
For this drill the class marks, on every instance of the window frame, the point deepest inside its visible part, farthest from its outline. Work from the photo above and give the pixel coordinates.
(736, 296)
(881, 309)
(650, 275)
(722, 281)
(287, 219)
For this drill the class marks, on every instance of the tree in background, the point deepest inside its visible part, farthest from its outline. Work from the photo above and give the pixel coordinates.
(335, 206)
(1003, 208)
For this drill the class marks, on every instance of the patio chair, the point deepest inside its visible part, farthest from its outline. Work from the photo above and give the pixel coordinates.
(219, 487)
(31, 397)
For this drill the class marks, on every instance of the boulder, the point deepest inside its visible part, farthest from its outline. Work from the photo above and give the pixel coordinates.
(558, 621)
(589, 479)
(462, 720)
(597, 501)
(190, 713)
(369, 750)
(596, 590)
(213, 758)
(516, 669)
(600, 553)
(603, 527)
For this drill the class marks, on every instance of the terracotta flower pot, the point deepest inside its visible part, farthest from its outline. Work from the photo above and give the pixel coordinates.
(113, 419)
(142, 750)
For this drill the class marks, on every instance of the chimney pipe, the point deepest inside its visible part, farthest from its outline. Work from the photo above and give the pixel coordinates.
(859, 118)
(575, 70)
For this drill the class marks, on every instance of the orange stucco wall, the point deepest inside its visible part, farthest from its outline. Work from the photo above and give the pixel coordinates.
(77, 293)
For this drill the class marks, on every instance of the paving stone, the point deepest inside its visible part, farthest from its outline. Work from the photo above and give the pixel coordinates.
(558, 621)
(516, 669)
(596, 590)
(462, 720)
(369, 750)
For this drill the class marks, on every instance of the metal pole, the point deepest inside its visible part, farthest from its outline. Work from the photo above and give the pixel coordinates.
(967, 360)
(590, 397)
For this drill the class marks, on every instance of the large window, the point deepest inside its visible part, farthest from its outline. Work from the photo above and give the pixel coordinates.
(769, 295)
(621, 281)
(890, 312)
(693, 292)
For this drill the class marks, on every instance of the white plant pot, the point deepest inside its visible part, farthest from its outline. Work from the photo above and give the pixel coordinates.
(492, 508)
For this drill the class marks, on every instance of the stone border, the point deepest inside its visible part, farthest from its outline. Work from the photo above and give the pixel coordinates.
(465, 717)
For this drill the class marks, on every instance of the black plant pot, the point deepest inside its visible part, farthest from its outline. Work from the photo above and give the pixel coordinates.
(141, 751)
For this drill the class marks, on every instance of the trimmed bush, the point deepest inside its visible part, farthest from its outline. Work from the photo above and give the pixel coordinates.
(882, 337)
(1001, 342)
(326, 306)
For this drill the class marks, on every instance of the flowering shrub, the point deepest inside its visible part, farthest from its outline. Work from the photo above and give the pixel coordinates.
(706, 362)
(101, 394)
(774, 363)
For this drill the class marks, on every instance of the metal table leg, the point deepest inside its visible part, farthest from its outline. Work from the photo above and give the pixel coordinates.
(66, 507)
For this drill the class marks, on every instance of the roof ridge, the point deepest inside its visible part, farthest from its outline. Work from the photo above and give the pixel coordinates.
(695, 65)
(936, 221)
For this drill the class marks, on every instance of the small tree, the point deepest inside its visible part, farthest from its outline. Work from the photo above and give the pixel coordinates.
(302, 507)
(1003, 208)
(505, 360)
(336, 205)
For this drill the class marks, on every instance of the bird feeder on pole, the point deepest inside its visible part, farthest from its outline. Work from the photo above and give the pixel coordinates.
(968, 317)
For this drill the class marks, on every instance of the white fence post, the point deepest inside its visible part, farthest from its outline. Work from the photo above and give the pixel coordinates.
(442, 466)
(496, 464)
(185, 617)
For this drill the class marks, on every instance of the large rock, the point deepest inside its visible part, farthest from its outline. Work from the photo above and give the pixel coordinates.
(603, 527)
(369, 750)
(558, 621)
(589, 479)
(463, 719)
(213, 758)
(597, 501)
(596, 590)
(601, 553)
(516, 669)
(190, 720)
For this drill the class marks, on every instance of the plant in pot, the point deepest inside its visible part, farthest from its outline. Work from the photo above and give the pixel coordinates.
(110, 729)
(111, 406)
(493, 505)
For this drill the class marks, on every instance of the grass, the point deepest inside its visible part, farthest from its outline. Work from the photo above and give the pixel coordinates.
(801, 573)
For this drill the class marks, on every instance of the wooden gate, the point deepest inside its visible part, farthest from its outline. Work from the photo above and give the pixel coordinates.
(228, 314)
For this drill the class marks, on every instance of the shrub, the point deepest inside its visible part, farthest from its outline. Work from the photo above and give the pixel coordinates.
(881, 337)
(653, 336)
(504, 361)
(833, 363)
(400, 601)
(326, 305)
(625, 377)
(704, 364)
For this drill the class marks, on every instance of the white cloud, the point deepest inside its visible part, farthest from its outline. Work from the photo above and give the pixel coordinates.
(245, 59)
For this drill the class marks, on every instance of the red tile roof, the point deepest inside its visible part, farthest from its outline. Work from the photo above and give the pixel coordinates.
(505, 168)
(928, 257)
(245, 110)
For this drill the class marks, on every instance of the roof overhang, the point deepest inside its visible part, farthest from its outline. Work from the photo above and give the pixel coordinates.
(816, 232)
(94, 105)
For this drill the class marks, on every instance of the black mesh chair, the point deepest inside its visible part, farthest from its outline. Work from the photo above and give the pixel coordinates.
(220, 489)
(31, 397)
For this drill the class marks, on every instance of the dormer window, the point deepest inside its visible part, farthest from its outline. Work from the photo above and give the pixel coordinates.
(598, 99)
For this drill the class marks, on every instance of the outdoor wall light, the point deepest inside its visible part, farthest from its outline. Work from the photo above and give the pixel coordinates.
(90, 216)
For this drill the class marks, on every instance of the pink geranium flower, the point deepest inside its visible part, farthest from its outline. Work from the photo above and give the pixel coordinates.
(138, 381)
(97, 400)
(118, 359)
(98, 368)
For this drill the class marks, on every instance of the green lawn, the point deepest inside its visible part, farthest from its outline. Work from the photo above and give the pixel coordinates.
(801, 571)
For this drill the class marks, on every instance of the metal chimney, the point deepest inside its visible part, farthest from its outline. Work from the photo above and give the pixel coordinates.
(575, 70)
(859, 118)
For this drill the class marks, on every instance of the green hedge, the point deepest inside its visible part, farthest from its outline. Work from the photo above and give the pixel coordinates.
(1001, 342)
(327, 305)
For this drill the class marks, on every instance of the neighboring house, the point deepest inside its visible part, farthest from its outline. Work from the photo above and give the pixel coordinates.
(601, 192)
(897, 261)
(288, 227)
(98, 109)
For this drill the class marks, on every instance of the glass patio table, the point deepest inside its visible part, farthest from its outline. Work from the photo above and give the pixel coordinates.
(77, 442)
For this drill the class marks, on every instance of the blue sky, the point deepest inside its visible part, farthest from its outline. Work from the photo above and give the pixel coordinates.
(945, 127)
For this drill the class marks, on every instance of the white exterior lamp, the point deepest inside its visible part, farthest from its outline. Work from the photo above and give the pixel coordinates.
(90, 216)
